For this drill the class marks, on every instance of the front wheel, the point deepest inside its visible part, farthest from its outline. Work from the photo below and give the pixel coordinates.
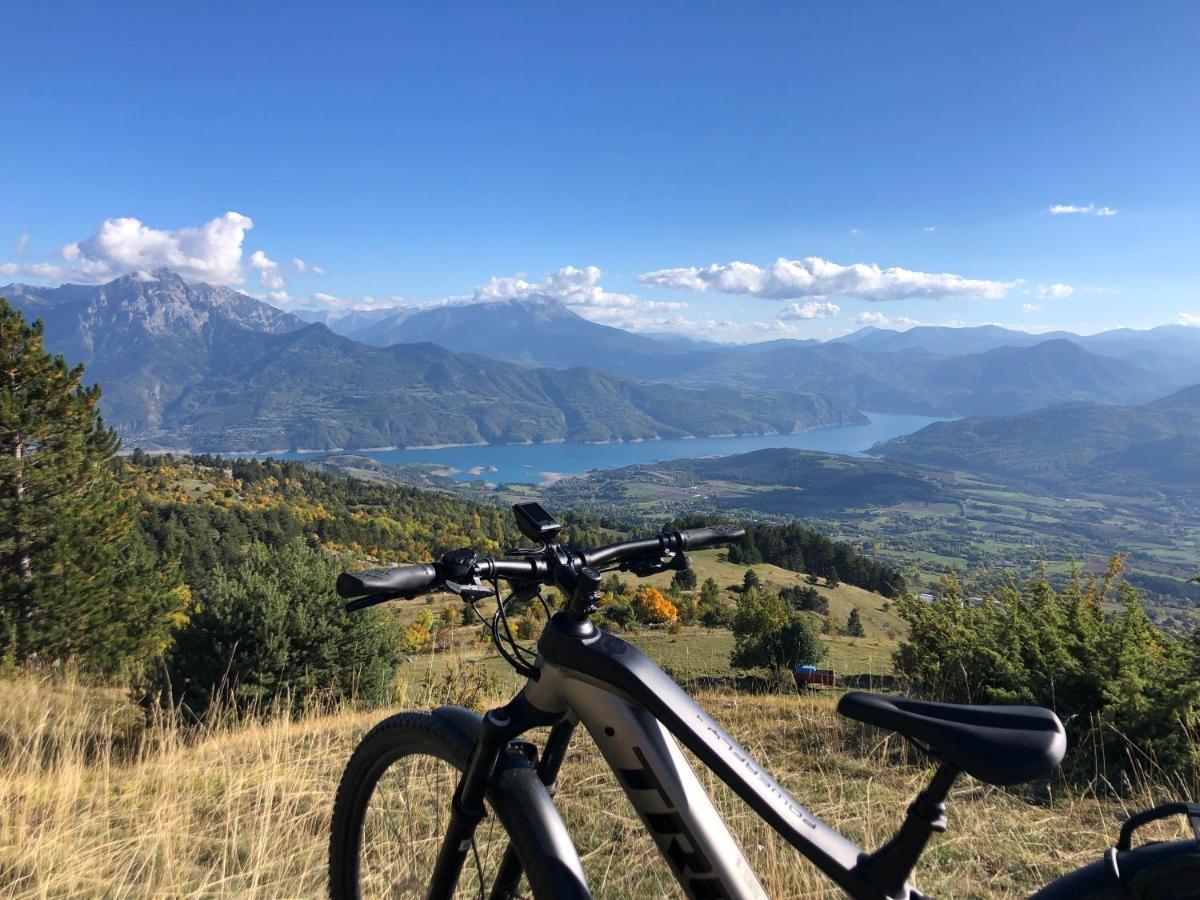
(393, 806)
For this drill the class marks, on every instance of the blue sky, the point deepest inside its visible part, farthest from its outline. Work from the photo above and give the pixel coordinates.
(621, 157)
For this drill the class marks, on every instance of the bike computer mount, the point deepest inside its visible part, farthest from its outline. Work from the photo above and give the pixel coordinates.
(535, 523)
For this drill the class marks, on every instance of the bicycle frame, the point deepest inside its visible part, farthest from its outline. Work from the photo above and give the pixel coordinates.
(635, 712)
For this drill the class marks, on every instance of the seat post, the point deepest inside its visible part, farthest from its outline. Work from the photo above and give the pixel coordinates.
(892, 863)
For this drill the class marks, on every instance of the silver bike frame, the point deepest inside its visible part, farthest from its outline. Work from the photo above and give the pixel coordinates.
(634, 712)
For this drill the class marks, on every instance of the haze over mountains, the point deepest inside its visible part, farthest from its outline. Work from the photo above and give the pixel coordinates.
(203, 367)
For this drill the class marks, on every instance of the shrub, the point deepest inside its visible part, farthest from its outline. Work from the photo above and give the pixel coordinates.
(620, 614)
(716, 615)
(769, 634)
(651, 607)
(1113, 679)
(274, 626)
(684, 580)
(806, 599)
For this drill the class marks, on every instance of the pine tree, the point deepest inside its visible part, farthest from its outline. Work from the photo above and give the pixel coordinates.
(78, 579)
(854, 625)
(684, 579)
(751, 580)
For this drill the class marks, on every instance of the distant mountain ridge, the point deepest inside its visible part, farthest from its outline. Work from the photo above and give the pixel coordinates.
(533, 331)
(1157, 442)
(926, 370)
(168, 352)
(144, 338)
(206, 368)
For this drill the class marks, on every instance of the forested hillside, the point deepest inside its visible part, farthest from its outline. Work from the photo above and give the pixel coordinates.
(210, 369)
(1121, 447)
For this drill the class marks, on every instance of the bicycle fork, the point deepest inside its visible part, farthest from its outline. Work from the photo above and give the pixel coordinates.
(500, 726)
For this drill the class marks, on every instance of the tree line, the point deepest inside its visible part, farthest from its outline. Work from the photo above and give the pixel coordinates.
(804, 549)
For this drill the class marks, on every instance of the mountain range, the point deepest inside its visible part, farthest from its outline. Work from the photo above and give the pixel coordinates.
(938, 371)
(205, 367)
(1074, 443)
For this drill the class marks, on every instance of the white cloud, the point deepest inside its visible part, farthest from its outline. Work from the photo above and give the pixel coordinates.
(1188, 319)
(580, 289)
(211, 252)
(1031, 307)
(1091, 209)
(126, 246)
(301, 266)
(810, 310)
(259, 260)
(929, 228)
(879, 320)
(331, 301)
(268, 271)
(1056, 291)
(787, 279)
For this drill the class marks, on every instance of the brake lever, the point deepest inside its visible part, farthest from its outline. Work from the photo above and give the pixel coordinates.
(643, 568)
(469, 593)
(374, 600)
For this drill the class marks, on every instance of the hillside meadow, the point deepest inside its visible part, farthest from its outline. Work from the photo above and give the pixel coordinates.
(96, 802)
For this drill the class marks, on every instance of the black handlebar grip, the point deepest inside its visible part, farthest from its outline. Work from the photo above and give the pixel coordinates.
(398, 580)
(695, 538)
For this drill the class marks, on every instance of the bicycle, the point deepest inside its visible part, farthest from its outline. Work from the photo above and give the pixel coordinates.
(636, 714)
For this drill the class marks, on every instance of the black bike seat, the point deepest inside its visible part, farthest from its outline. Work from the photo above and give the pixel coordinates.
(1001, 745)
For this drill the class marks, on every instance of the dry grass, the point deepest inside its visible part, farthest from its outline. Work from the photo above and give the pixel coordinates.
(90, 806)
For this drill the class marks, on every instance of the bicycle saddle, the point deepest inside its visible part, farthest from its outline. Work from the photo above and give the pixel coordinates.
(1001, 745)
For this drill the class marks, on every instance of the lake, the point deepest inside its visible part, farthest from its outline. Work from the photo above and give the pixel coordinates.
(537, 463)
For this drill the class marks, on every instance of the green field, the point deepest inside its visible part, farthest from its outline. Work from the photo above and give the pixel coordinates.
(695, 652)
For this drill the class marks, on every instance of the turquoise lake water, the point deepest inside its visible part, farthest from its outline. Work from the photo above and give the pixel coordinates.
(535, 463)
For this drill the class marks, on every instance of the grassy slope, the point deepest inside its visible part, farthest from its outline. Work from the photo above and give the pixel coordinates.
(697, 651)
(242, 809)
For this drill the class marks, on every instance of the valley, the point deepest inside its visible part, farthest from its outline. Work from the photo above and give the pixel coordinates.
(927, 520)
(993, 451)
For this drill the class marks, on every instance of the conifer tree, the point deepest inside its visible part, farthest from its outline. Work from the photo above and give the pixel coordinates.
(77, 577)
(854, 625)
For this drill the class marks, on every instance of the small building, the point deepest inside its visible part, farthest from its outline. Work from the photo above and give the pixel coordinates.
(926, 598)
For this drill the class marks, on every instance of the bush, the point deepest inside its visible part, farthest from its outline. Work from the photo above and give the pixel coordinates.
(805, 599)
(274, 626)
(620, 614)
(651, 607)
(688, 609)
(684, 580)
(770, 634)
(716, 615)
(1113, 679)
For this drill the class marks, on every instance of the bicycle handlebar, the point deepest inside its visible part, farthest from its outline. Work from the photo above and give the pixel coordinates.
(377, 585)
